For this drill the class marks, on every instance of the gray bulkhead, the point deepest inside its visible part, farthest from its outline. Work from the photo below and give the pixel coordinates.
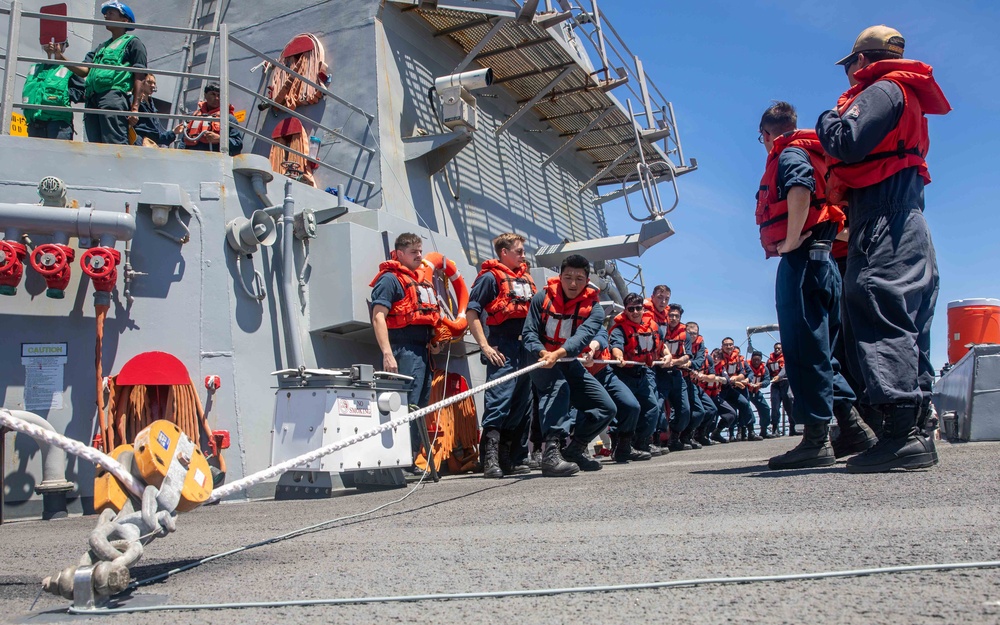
(191, 303)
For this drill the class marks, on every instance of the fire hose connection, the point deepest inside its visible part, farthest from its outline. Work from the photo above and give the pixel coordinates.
(100, 264)
(12, 255)
(52, 262)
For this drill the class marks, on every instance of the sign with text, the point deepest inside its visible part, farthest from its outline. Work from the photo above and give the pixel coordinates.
(44, 366)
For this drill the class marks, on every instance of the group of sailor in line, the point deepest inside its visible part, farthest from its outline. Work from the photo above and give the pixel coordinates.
(618, 375)
(864, 164)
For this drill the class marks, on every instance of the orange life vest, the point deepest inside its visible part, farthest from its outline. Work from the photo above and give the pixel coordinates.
(733, 365)
(419, 304)
(695, 348)
(772, 213)
(775, 363)
(711, 388)
(906, 145)
(758, 372)
(516, 290)
(642, 341)
(675, 340)
(839, 249)
(659, 317)
(196, 128)
(561, 318)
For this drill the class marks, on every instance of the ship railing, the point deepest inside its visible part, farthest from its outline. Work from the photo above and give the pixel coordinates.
(226, 39)
(9, 102)
(12, 57)
(615, 56)
(636, 281)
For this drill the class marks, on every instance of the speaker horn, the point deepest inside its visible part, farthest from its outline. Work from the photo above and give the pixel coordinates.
(245, 235)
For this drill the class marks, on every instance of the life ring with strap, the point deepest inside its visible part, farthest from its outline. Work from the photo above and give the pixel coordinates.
(453, 324)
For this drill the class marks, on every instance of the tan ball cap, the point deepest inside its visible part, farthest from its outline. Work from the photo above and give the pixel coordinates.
(876, 38)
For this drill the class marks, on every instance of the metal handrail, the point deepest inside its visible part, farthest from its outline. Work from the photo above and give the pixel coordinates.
(120, 68)
(10, 102)
(311, 159)
(136, 26)
(301, 117)
(58, 109)
(660, 103)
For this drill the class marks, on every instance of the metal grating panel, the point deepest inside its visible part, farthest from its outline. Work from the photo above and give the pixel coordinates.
(518, 53)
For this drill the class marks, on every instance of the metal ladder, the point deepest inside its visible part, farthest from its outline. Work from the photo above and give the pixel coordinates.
(199, 50)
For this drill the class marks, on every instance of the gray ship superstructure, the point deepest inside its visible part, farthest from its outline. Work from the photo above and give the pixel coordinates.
(222, 268)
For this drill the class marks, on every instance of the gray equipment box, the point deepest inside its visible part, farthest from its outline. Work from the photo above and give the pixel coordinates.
(967, 397)
(320, 407)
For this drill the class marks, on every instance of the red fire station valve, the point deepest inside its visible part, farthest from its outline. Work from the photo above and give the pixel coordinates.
(12, 256)
(101, 265)
(213, 382)
(52, 261)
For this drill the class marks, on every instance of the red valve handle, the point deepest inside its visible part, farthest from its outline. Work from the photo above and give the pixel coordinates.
(9, 255)
(98, 273)
(55, 250)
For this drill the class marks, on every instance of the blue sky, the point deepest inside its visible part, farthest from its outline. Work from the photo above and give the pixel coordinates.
(721, 64)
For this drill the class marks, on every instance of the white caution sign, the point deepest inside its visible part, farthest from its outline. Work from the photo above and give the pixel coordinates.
(44, 366)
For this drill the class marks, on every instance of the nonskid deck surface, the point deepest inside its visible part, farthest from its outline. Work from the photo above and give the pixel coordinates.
(711, 513)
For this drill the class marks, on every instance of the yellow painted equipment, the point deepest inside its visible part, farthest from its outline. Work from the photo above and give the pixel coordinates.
(108, 492)
(156, 447)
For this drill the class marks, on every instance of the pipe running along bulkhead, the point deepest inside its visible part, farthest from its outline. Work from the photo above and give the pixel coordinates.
(84, 223)
(288, 275)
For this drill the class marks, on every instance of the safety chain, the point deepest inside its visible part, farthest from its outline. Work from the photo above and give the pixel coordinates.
(117, 542)
(115, 545)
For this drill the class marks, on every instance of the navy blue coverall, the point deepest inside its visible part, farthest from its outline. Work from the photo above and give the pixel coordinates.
(891, 282)
(567, 384)
(807, 297)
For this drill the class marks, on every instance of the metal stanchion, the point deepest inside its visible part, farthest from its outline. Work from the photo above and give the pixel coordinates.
(3, 466)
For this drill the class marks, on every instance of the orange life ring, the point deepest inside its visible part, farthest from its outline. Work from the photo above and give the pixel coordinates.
(450, 329)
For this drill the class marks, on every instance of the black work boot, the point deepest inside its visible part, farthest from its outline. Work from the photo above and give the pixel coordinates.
(676, 443)
(813, 450)
(535, 458)
(855, 435)
(624, 451)
(553, 464)
(701, 435)
(792, 431)
(717, 436)
(752, 436)
(491, 455)
(763, 432)
(688, 440)
(901, 446)
(621, 448)
(577, 452)
(646, 445)
(506, 465)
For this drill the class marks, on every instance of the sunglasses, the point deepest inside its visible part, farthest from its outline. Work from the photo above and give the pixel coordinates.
(634, 309)
(847, 65)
